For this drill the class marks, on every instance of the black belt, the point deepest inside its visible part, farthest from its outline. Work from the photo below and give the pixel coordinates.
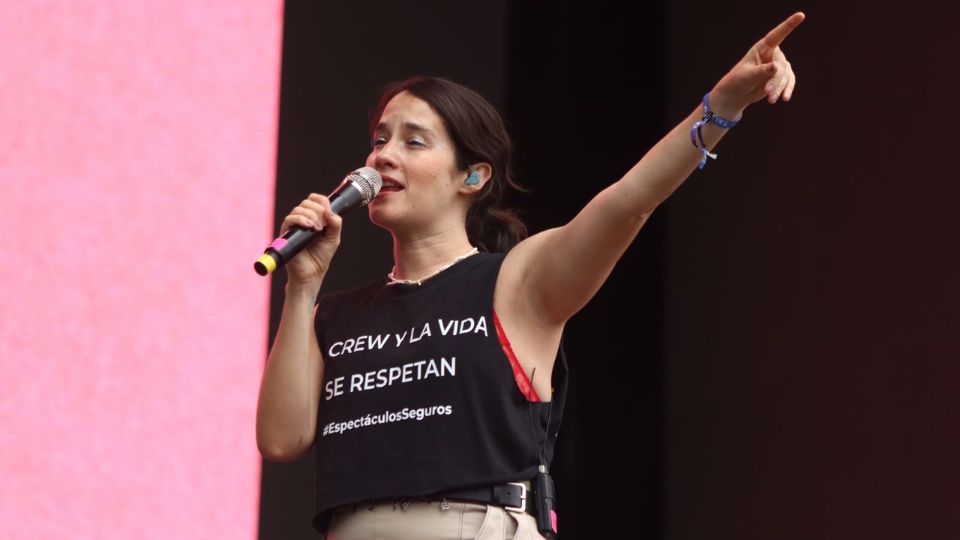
(513, 496)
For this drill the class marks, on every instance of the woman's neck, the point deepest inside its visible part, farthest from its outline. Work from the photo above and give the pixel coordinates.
(416, 259)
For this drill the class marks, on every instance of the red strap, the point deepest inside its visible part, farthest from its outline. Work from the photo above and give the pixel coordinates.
(526, 388)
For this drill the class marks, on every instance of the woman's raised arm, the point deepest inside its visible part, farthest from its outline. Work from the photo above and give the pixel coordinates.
(559, 270)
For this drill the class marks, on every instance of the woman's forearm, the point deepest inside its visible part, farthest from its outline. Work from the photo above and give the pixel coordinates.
(290, 389)
(664, 167)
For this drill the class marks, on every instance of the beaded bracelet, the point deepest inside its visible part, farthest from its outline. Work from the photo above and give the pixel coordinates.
(696, 133)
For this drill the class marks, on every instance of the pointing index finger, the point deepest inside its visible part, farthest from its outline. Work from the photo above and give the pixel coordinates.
(776, 36)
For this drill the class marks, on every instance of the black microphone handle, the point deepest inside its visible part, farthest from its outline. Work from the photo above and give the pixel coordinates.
(346, 197)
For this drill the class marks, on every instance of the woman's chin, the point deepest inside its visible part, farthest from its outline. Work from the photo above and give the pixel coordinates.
(381, 213)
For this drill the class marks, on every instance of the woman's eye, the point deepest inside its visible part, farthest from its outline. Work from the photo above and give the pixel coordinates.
(380, 141)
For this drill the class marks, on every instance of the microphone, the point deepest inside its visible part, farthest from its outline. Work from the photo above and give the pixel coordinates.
(357, 189)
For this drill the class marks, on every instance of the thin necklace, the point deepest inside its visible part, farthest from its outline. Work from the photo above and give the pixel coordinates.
(395, 280)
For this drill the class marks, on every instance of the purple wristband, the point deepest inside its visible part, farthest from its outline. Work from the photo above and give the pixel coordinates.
(696, 132)
(709, 115)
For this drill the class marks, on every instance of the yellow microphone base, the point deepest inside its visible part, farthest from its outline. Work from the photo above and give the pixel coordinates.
(265, 265)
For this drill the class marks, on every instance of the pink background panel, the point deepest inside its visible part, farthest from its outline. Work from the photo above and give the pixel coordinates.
(137, 159)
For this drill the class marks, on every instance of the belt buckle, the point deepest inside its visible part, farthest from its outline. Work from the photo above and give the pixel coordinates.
(523, 498)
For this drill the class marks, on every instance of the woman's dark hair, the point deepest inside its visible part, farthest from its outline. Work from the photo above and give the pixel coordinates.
(479, 135)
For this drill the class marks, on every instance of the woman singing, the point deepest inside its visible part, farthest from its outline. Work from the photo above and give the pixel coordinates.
(432, 398)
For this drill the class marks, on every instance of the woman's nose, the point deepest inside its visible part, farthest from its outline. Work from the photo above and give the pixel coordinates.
(384, 156)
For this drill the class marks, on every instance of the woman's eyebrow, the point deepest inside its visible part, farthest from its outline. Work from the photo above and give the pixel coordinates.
(408, 126)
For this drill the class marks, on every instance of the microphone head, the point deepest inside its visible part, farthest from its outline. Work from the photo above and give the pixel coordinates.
(369, 182)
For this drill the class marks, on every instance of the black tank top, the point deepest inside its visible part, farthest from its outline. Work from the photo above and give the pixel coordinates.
(418, 395)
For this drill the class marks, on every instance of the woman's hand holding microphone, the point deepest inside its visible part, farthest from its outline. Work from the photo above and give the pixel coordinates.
(308, 268)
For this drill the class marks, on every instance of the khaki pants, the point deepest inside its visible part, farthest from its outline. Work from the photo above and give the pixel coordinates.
(421, 520)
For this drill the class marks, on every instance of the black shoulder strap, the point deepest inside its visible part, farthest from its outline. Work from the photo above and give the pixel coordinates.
(560, 379)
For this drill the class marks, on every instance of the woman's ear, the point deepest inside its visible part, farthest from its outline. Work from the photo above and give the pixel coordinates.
(478, 174)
